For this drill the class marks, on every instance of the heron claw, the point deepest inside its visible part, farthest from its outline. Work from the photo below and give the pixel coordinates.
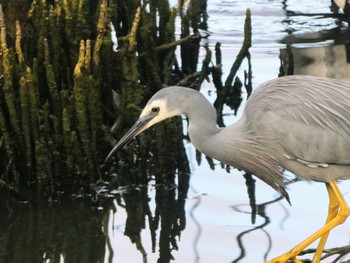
(284, 259)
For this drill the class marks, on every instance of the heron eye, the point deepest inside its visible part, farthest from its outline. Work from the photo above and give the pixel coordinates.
(155, 110)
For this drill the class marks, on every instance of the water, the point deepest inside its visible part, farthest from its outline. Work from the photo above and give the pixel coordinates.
(213, 224)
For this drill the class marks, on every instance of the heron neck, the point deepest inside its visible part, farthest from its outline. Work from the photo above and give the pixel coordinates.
(208, 138)
(219, 143)
(202, 123)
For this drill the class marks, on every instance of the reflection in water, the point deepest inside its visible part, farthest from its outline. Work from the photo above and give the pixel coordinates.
(323, 52)
(262, 213)
(79, 231)
(325, 61)
(57, 232)
(198, 226)
(168, 217)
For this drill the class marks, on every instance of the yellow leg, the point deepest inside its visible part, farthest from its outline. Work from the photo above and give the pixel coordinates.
(340, 217)
(332, 213)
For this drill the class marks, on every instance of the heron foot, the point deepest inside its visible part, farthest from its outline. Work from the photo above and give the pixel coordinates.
(338, 211)
(285, 258)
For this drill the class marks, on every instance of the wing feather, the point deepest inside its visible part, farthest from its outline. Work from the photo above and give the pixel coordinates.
(309, 116)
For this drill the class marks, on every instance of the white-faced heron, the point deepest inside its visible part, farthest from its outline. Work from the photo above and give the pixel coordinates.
(295, 123)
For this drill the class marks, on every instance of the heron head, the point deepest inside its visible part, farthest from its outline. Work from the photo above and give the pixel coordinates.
(158, 108)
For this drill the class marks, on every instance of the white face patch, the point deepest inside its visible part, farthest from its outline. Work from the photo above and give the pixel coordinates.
(159, 109)
(149, 109)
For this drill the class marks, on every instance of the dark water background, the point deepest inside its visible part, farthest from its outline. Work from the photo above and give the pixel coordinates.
(213, 223)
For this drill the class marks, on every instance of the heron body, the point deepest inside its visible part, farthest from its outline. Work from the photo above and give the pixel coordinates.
(295, 123)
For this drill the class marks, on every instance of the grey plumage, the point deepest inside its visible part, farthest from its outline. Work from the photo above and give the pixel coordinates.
(295, 123)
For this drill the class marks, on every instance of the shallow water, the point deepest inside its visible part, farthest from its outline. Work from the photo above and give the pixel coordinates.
(213, 224)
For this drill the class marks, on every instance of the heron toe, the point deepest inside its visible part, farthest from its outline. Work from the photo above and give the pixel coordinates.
(285, 259)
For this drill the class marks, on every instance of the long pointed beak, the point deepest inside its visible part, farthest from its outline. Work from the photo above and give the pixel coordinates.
(136, 129)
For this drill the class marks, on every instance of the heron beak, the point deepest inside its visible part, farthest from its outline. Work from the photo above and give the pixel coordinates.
(139, 126)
